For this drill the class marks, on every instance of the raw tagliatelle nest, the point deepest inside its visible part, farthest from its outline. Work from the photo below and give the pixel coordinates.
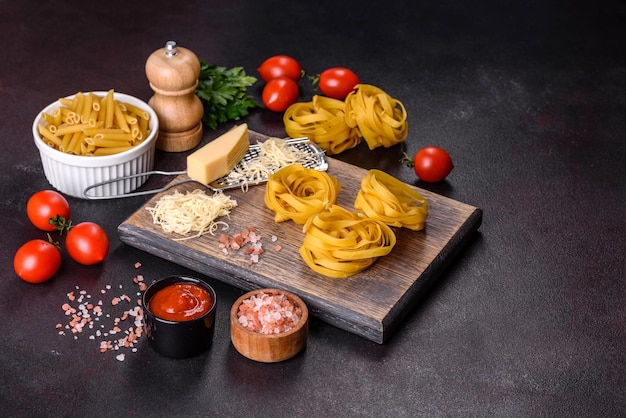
(380, 118)
(191, 212)
(387, 199)
(297, 193)
(339, 243)
(367, 112)
(323, 121)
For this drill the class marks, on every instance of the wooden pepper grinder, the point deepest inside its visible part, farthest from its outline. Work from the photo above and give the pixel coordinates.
(173, 73)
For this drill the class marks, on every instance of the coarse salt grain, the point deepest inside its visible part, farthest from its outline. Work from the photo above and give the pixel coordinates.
(81, 318)
(247, 240)
(268, 313)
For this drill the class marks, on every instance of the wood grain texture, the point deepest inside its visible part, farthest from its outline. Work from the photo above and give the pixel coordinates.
(174, 79)
(370, 304)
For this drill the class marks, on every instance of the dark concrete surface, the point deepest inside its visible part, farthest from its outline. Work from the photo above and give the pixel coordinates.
(530, 100)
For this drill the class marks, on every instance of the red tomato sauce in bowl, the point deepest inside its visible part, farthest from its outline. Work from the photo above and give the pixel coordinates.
(180, 302)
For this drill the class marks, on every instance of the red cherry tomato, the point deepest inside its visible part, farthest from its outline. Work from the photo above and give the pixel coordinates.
(338, 82)
(87, 243)
(280, 93)
(280, 66)
(45, 205)
(37, 261)
(432, 164)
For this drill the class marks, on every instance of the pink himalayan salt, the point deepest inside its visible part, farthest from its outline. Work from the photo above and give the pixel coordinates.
(268, 314)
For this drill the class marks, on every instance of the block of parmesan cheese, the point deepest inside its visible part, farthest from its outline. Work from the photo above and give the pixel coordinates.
(220, 156)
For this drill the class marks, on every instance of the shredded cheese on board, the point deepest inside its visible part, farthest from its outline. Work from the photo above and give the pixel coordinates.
(193, 211)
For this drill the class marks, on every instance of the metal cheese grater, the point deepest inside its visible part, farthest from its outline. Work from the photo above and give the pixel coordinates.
(315, 159)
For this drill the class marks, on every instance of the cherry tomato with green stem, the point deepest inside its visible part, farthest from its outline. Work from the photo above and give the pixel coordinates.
(280, 93)
(431, 164)
(37, 261)
(280, 66)
(48, 210)
(87, 243)
(338, 82)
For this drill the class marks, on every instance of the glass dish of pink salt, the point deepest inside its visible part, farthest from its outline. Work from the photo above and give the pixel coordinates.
(269, 325)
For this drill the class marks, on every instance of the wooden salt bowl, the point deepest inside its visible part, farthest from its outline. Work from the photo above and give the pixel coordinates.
(269, 348)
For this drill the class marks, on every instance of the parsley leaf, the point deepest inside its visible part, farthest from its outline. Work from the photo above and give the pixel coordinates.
(223, 93)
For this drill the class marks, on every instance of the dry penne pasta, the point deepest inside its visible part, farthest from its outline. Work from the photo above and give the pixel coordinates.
(68, 103)
(119, 119)
(136, 132)
(93, 118)
(98, 129)
(114, 136)
(70, 129)
(69, 116)
(109, 109)
(137, 111)
(74, 143)
(79, 103)
(130, 118)
(65, 142)
(48, 118)
(88, 124)
(143, 126)
(49, 137)
(110, 150)
(56, 117)
(100, 142)
(86, 111)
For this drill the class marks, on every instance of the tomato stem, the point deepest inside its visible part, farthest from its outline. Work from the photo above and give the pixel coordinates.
(53, 242)
(407, 160)
(314, 80)
(60, 223)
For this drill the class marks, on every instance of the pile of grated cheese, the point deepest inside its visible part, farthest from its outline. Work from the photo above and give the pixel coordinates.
(274, 153)
(195, 211)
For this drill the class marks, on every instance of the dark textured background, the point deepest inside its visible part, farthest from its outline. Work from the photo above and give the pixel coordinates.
(528, 98)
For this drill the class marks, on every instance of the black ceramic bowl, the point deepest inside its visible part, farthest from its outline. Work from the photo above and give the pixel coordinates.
(179, 338)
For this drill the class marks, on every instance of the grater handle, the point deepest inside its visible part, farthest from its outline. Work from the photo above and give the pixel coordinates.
(86, 194)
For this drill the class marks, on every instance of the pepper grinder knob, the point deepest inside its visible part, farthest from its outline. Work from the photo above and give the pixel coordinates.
(173, 73)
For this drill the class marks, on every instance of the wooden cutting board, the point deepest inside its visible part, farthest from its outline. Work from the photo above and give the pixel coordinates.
(370, 304)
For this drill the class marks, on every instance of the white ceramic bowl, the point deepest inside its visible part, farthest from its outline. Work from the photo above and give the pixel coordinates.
(72, 174)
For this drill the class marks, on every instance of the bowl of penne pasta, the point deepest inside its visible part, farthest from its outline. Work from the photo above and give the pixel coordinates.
(94, 137)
